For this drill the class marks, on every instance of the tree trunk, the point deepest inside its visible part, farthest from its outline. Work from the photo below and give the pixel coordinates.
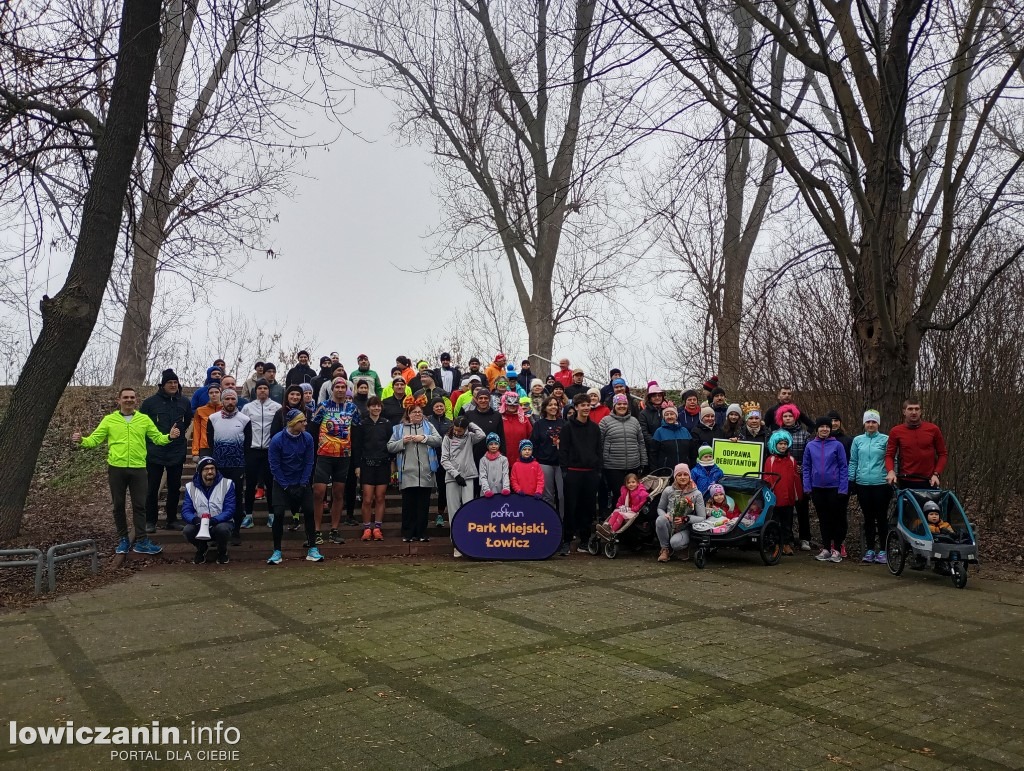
(69, 317)
(887, 374)
(540, 326)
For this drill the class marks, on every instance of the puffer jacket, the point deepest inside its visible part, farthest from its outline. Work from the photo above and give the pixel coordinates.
(673, 444)
(624, 445)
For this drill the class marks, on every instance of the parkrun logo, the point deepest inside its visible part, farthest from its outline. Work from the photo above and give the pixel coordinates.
(506, 513)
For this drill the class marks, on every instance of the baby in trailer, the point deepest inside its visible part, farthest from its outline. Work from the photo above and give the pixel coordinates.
(721, 511)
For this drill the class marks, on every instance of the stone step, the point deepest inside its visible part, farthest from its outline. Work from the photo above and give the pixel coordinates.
(257, 550)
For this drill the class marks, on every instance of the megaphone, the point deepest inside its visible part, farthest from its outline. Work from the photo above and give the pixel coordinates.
(204, 529)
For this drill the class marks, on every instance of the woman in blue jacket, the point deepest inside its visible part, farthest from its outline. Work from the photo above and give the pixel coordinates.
(867, 473)
(826, 475)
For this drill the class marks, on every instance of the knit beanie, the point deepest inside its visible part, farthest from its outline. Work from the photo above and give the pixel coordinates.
(706, 456)
(166, 376)
(706, 412)
(714, 490)
(306, 387)
(536, 383)
(872, 415)
(734, 408)
(492, 438)
(669, 407)
(680, 467)
(294, 416)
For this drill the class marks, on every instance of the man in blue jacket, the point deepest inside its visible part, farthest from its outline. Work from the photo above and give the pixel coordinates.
(211, 494)
(291, 456)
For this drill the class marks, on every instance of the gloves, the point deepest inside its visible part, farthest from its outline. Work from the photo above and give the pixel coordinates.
(520, 492)
(489, 494)
(460, 480)
(505, 492)
(538, 496)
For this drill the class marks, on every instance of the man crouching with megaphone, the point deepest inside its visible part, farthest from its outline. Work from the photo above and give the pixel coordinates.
(208, 511)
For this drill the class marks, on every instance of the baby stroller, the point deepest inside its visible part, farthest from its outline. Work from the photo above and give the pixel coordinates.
(754, 528)
(909, 535)
(638, 532)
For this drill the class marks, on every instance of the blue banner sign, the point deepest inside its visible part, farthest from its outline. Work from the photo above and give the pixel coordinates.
(507, 527)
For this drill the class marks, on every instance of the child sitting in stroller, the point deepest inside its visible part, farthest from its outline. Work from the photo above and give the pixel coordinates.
(721, 511)
(940, 529)
(632, 497)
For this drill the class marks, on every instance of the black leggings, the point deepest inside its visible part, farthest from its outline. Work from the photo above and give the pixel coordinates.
(874, 503)
(831, 516)
(257, 472)
(284, 499)
(784, 516)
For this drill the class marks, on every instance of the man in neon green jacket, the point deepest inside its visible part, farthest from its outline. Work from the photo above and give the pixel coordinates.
(126, 432)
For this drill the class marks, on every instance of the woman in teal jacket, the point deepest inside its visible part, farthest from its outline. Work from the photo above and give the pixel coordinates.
(867, 476)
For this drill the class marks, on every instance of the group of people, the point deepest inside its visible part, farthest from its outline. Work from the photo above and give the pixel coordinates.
(491, 430)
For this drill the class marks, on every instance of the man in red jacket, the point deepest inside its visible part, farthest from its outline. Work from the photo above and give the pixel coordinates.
(919, 447)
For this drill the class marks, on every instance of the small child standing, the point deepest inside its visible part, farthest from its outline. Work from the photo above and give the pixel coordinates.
(527, 475)
(493, 469)
(706, 472)
(783, 472)
(632, 497)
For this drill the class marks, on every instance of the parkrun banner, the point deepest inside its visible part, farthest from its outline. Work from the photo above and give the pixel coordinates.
(737, 458)
(507, 527)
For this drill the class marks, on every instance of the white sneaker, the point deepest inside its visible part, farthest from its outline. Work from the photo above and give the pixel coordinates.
(835, 556)
(805, 546)
(824, 555)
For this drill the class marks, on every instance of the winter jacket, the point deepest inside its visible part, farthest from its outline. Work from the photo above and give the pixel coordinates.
(845, 440)
(825, 465)
(564, 376)
(218, 500)
(623, 442)
(489, 422)
(493, 372)
(788, 485)
(291, 458)
(704, 435)
(454, 379)
(166, 411)
(493, 474)
(867, 459)
(527, 478)
(201, 395)
(575, 390)
(335, 422)
(691, 422)
(636, 499)
(705, 476)
(544, 434)
(300, 373)
(745, 435)
(599, 413)
(581, 446)
(673, 445)
(369, 376)
(261, 414)
(276, 393)
(370, 440)
(126, 439)
(650, 421)
(441, 425)
(514, 432)
(227, 436)
(667, 503)
(417, 461)
(719, 413)
(524, 379)
(457, 454)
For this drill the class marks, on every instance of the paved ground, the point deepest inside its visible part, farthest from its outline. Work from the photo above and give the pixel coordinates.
(583, 662)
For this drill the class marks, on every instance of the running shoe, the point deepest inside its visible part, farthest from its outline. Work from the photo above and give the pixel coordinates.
(260, 494)
(377, 534)
(869, 556)
(314, 555)
(296, 521)
(123, 546)
(199, 558)
(787, 550)
(318, 539)
(335, 537)
(367, 534)
(880, 558)
(439, 522)
(835, 556)
(805, 546)
(146, 546)
(276, 558)
(223, 559)
(842, 550)
(824, 555)
(247, 521)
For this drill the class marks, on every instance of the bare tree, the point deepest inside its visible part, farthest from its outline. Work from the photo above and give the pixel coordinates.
(907, 158)
(508, 97)
(207, 174)
(69, 317)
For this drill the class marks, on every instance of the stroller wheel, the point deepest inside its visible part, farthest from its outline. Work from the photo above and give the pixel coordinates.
(958, 571)
(895, 552)
(771, 543)
(700, 557)
(611, 549)
(594, 545)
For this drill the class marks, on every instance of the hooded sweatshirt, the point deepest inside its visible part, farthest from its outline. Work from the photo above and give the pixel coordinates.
(291, 458)
(300, 373)
(202, 394)
(457, 454)
(218, 499)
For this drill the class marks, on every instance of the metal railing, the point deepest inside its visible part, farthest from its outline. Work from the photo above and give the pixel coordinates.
(37, 561)
(54, 554)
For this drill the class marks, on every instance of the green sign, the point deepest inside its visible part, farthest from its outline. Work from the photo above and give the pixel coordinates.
(738, 458)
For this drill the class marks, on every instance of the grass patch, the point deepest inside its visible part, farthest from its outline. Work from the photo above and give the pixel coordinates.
(83, 468)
